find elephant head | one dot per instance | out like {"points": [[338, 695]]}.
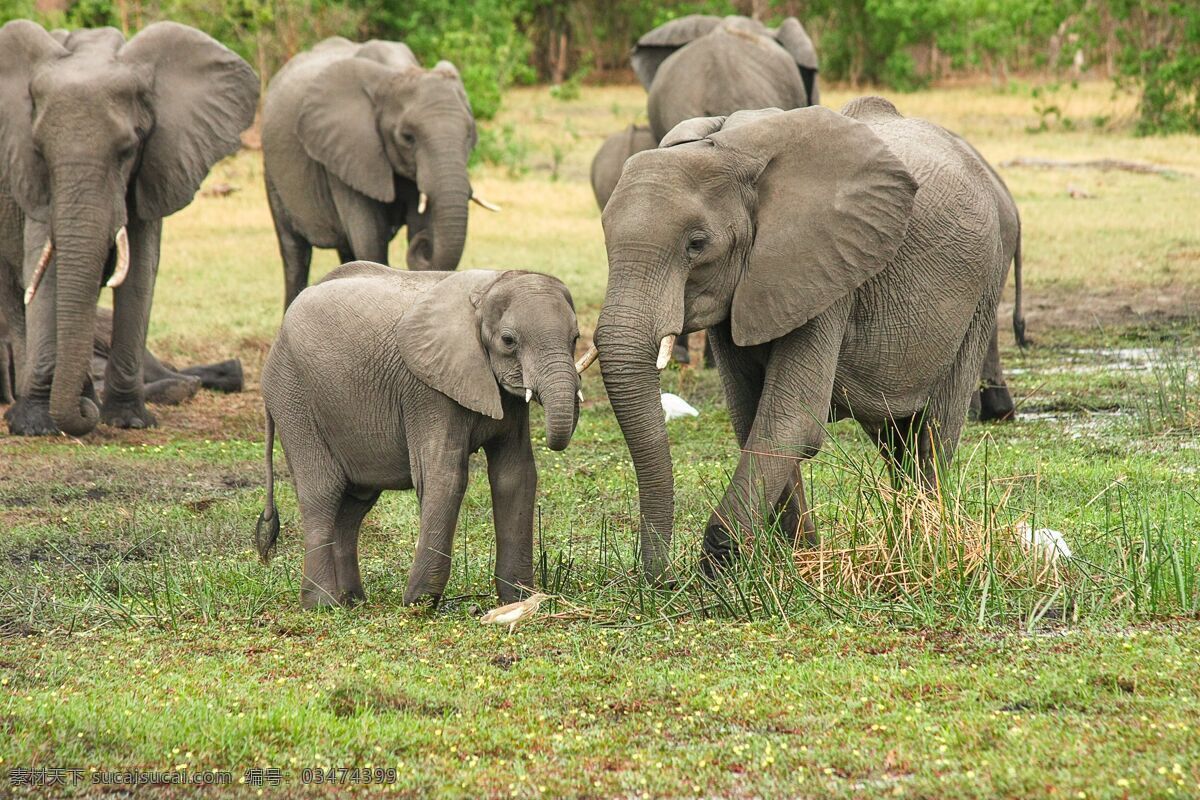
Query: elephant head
{"points": [[658, 45], [375, 117], [761, 221], [476, 333], [98, 131]]}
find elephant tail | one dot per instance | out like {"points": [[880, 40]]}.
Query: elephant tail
{"points": [[267, 529], [1018, 314]]}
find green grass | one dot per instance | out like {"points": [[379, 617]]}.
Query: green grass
{"points": [[921, 652]]}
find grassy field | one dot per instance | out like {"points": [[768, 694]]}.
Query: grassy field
{"points": [[920, 652]]}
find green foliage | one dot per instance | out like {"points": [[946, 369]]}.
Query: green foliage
{"points": [[1160, 53]]}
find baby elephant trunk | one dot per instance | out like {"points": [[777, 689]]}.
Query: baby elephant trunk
{"points": [[559, 395]]}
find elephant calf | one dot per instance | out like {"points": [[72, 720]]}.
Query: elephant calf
{"points": [[390, 379]]}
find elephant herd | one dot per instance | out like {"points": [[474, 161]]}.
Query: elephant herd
{"points": [[843, 264]]}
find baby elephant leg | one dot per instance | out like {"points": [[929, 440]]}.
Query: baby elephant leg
{"points": [[355, 506], [440, 494], [512, 473]]}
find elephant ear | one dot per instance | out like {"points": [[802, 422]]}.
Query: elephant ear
{"points": [[834, 205], [23, 45], [794, 39], [337, 126], [438, 339], [203, 96], [692, 130], [396, 55], [657, 46]]}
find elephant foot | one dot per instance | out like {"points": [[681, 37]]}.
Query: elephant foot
{"points": [[172, 391], [30, 417], [719, 550], [223, 377], [121, 412], [996, 404], [418, 596], [313, 598]]}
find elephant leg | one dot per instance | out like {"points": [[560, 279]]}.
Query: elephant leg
{"points": [[905, 446], [512, 474], [320, 488], [354, 507], [364, 222], [680, 352], [792, 509], [225, 376], [124, 393], [995, 401], [294, 249], [440, 490], [164, 386], [788, 429], [30, 414], [6, 383]]}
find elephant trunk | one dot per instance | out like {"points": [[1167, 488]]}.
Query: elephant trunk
{"points": [[82, 241], [444, 180], [558, 392], [627, 358]]}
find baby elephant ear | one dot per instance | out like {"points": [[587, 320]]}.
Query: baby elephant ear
{"points": [[439, 342], [692, 130], [833, 208]]}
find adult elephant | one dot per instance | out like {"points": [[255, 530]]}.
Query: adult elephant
{"points": [[358, 141], [702, 66], [848, 262], [101, 138], [612, 155]]}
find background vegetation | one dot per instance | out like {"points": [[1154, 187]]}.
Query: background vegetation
{"points": [[1152, 47]]}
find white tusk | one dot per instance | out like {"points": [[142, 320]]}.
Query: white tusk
{"points": [[579, 394], [489, 206], [528, 395], [587, 359], [39, 271], [422, 203], [118, 276], [664, 351]]}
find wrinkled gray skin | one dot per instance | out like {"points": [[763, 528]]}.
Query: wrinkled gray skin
{"points": [[611, 157], [847, 263], [701, 66], [389, 379], [706, 66], [99, 134], [163, 383], [352, 133]]}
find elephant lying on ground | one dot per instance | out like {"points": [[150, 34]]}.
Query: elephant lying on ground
{"points": [[100, 138], [359, 141], [165, 385], [388, 379], [612, 155], [847, 261]]}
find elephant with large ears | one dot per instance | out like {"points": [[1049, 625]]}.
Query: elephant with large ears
{"points": [[358, 141], [841, 262], [101, 138], [390, 379]]}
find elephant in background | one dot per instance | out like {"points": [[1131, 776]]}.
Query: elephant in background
{"points": [[101, 138], [847, 263], [164, 384], [358, 141], [388, 379], [702, 65], [611, 157]]}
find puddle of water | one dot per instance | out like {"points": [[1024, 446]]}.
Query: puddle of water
{"points": [[1101, 359]]}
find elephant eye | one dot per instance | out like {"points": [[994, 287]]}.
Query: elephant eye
{"points": [[696, 244], [408, 138], [508, 340]]}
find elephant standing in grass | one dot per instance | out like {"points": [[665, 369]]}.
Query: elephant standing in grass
{"points": [[612, 155], [387, 379], [843, 263], [359, 141], [100, 139]]}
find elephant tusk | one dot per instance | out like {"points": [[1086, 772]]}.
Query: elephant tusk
{"points": [[39, 271], [579, 394], [528, 395], [122, 270], [587, 359], [664, 351], [489, 206], [422, 203]]}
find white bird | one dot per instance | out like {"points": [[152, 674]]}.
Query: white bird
{"points": [[675, 406], [1050, 543], [514, 613]]}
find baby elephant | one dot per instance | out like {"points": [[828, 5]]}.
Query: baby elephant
{"points": [[390, 379]]}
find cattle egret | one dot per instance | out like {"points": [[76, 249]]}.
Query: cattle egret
{"points": [[1049, 543], [514, 613]]}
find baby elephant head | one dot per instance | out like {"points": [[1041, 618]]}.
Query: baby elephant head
{"points": [[478, 333]]}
